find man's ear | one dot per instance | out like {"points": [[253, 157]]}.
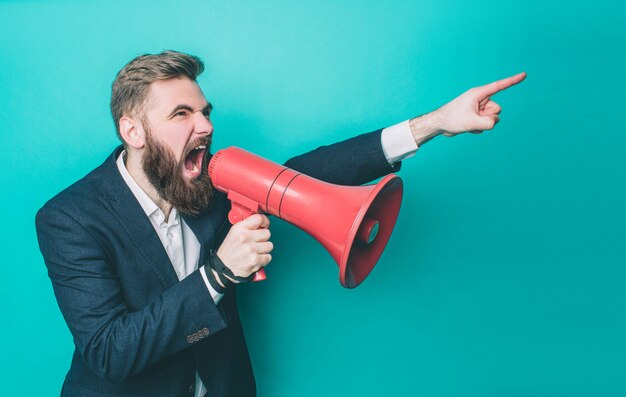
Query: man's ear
{"points": [[132, 132]]}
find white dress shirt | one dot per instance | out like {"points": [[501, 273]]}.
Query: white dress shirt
{"points": [[183, 247]]}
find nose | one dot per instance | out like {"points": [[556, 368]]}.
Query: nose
{"points": [[204, 126]]}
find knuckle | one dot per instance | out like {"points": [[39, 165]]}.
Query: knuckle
{"points": [[259, 235], [250, 222]]}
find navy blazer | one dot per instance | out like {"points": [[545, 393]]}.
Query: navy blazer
{"points": [[137, 329]]}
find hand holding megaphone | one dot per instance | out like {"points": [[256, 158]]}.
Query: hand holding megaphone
{"points": [[246, 248]]}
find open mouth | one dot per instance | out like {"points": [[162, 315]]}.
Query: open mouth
{"points": [[193, 161]]}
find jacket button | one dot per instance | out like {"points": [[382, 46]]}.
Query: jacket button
{"points": [[189, 339], [205, 331]]}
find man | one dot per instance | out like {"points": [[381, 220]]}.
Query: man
{"points": [[142, 259]]}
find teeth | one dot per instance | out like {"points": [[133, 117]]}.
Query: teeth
{"points": [[200, 147]]}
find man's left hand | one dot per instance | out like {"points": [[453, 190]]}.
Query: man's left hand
{"points": [[473, 111]]}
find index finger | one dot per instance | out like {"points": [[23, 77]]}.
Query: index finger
{"points": [[497, 86]]}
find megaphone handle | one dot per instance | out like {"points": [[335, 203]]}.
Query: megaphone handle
{"points": [[236, 214]]}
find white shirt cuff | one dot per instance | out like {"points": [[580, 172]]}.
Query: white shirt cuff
{"points": [[214, 294], [398, 142]]}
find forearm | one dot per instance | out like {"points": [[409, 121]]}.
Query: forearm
{"points": [[353, 161], [424, 127]]}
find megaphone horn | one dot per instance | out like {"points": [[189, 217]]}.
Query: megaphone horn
{"points": [[353, 223]]}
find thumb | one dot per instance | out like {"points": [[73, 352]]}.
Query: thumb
{"points": [[256, 221]]}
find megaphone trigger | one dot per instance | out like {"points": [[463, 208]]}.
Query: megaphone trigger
{"points": [[241, 207]]}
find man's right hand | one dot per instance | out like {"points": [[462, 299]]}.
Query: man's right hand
{"points": [[246, 248]]}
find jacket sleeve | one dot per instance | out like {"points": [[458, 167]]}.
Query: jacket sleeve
{"points": [[114, 341], [354, 161]]}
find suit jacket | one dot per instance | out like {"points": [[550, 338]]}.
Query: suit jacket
{"points": [[137, 329]]}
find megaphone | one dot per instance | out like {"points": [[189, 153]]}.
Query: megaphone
{"points": [[353, 223]]}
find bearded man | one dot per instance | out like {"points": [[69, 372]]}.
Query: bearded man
{"points": [[131, 248]]}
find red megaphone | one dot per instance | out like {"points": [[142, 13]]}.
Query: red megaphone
{"points": [[353, 223]]}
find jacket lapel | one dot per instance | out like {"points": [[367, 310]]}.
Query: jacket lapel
{"points": [[118, 197]]}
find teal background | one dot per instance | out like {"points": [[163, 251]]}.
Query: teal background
{"points": [[505, 274]]}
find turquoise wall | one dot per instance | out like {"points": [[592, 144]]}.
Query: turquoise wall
{"points": [[505, 274]]}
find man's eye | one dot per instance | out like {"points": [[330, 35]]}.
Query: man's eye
{"points": [[181, 113], [207, 115]]}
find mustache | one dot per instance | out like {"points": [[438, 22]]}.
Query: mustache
{"points": [[205, 140]]}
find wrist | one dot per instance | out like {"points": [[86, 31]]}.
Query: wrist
{"points": [[214, 280], [217, 278], [424, 128], [225, 274]]}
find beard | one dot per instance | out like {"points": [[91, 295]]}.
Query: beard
{"points": [[165, 174]]}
